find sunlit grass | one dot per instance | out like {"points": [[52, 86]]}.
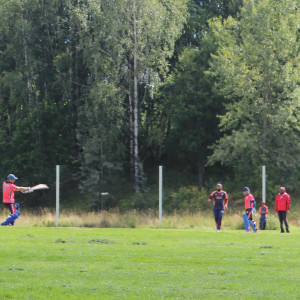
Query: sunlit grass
{"points": [[125, 263]]}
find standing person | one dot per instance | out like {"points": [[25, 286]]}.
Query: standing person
{"points": [[220, 204], [263, 210], [9, 188], [282, 207], [250, 205]]}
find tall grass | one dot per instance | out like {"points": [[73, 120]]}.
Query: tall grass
{"points": [[134, 219]]}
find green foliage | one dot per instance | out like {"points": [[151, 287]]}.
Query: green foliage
{"points": [[272, 223], [38, 99], [190, 198], [200, 12], [257, 70], [188, 104], [99, 131], [134, 38], [84, 82]]}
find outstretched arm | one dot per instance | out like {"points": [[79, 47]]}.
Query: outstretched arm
{"points": [[22, 189]]}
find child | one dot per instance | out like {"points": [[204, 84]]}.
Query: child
{"points": [[263, 210]]}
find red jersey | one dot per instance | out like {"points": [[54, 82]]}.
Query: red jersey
{"points": [[220, 198], [8, 192], [249, 201], [282, 202], [263, 210]]}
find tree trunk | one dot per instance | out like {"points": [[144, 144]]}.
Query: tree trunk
{"points": [[265, 120], [201, 170], [28, 77], [101, 176], [131, 140], [135, 106]]}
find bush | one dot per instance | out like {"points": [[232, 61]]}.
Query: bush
{"points": [[190, 198], [272, 223]]}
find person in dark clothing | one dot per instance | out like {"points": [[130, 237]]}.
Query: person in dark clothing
{"points": [[220, 204]]}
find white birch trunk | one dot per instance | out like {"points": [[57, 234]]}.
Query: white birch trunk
{"points": [[135, 109]]}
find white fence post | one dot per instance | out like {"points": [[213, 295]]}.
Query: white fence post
{"points": [[57, 195], [160, 194], [264, 184]]}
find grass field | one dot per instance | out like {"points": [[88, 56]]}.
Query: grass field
{"points": [[85, 263]]}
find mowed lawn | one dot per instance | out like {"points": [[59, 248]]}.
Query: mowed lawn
{"points": [[83, 263]]}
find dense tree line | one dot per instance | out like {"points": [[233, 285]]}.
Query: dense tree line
{"points": [[110, 89]]}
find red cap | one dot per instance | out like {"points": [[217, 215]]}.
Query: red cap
{"points": [[282, 188]]}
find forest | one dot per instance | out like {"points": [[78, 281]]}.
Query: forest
{"points": [[111, 89]]}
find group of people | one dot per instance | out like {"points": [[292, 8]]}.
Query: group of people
{"points": [[282, 206], [219, 196]]}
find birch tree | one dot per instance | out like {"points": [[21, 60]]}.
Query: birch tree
{"points": [[132, 43]]}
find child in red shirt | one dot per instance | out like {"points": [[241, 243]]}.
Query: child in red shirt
{"points": [[263, 210]]}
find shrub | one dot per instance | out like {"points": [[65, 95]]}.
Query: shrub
{"points": [[272, 223], [190, 198]]}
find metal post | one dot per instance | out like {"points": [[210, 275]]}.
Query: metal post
{"points": [[264, 183], [57, 195], [160, 194]]}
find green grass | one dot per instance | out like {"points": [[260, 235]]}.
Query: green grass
{"points": [[84, 263]]}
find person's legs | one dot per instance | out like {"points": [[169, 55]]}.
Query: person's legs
{"points": [[11, 219], [285, 222], [12, 208], [221, 213], [280, 215], [14, 214], [13, 211], [216, 215], [250, 218], [246, 222], [249, 214], [264, 224]]}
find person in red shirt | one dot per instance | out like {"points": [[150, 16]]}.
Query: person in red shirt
{"points": [[263, 210], [250, 205], [282, 207], [220, 204], [9, 188]]}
